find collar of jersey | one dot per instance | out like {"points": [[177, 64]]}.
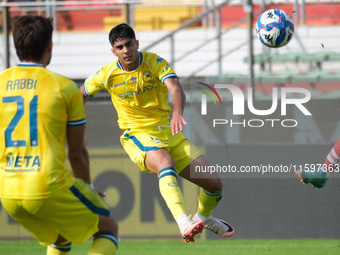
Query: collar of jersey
{"points": [[140, 61], [30, 64]]}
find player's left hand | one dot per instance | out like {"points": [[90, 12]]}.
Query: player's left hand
{"points": [[100, 193], [177, 122]]}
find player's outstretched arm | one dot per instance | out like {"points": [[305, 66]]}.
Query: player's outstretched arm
{"points": [[178, 101]]}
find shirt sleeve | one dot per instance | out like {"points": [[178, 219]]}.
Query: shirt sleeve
{"points": [[163, 69], [74, 105], [95, 83]]}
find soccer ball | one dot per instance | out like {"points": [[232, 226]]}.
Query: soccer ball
{"points": [[274, 28]]}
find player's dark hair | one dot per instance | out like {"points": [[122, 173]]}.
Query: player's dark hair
{"points": [[121, 31], [31, 36]]}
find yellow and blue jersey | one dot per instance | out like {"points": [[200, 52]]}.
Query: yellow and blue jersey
{"points": [[36, 106], [140, 96]]}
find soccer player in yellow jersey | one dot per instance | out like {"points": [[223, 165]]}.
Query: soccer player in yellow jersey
{"points": [[139, 83], [40, 111]]}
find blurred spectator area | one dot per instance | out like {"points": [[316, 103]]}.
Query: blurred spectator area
{"points": [[316, 14], [148, 17], [155, 16], [168, 17]]}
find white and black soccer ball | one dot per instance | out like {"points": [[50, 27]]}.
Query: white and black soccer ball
{"points": [[274, 28]]}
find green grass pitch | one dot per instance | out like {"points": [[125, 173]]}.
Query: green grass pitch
{"points": [[200, 247]]}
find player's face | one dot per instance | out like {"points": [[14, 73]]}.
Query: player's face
{"points": [[127, 52]]}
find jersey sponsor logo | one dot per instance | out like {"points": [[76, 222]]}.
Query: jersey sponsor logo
{"points": [[133, 93], [119, 84], [133, 80], [21, 84], [166, 68], [22, 163], [160, 60], [147, 76]]}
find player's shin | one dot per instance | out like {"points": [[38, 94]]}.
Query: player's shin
{"points": [[170, 191], [172, 195], [207, 201]]}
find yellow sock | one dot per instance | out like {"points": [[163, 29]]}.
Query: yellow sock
{"points": [[59, 249], [207, 201], [170, 191], [105, 244]]}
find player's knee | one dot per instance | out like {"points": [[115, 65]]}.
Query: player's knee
{"points": [[218, 185], [214, 185], [114, 227], [107, 225], [61, 240], [158, 160], [166, 162]]}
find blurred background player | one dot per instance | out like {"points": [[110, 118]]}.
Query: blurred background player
{"points": [[139, 84], [39, 111], [319, 177]]}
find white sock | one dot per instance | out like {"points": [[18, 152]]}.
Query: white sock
{"points": [[181, 219], [204, 218]]}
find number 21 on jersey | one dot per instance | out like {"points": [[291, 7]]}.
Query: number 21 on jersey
{"points": [[33, 121]]}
